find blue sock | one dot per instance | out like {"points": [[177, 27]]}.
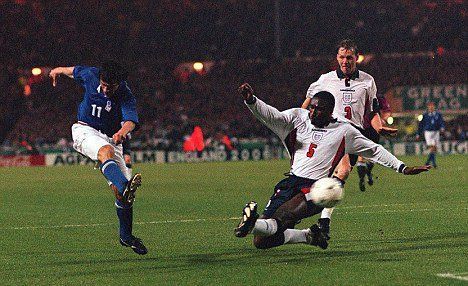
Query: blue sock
{"points": [[125, 215], [433, 159], [112, 172], [429, 159]]}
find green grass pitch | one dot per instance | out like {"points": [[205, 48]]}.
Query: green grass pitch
{"points": [[58, 227]]}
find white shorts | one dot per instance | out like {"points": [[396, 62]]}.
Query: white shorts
{"points": [[432, 138], [88, 141]]}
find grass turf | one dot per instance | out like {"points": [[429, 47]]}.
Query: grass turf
{"points": [[58, 226]]}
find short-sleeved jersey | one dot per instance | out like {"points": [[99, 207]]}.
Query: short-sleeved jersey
{"points": [[315, 152], [99, 111], [354, 96]]}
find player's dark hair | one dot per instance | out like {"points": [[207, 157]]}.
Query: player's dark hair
{"points": [[348, 44], [327, 98], [112, 72]]}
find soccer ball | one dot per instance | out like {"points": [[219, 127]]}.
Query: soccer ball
{"points": [[326, 192]]}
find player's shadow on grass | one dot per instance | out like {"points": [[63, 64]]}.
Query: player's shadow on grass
{"points": [[247, 255], [433, 237], [303, 252]]}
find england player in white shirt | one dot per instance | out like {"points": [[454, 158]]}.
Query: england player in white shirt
{"points": [[316, 142], [355, 95]]}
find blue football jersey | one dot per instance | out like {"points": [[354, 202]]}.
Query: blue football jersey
{"points": [[432, 121], [97, 110]]}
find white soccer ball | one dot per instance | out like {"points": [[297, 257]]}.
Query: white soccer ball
{"points": [[327, 192]]}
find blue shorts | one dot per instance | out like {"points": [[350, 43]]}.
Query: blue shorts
{"points": [[285, 190]]}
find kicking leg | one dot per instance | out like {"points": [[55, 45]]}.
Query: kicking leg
{"points": [[110, 168], [112, 171], [124, 205]]}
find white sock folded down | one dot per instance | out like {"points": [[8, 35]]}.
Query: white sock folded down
{"points": [[265, 227], [326, 213], [295, 235]]}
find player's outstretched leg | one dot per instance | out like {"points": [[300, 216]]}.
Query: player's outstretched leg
{"points": [[249, 217], [111, 170]]}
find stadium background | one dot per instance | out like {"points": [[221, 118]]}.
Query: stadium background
{"points": [[416, 50]]}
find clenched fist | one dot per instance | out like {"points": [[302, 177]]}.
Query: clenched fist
{"points": [[246, 90]]}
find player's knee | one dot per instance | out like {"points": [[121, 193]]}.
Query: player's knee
{"points": [[285, 219], [343, 173], [105, 153]]}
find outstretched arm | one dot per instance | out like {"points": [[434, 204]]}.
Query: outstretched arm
{"points": [[306, 103], [56, 72], [356, 143], [279, 122]]}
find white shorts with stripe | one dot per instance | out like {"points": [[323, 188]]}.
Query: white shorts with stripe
{"points": [[88, 141], [432, 138]]}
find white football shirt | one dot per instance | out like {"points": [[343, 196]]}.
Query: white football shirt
{"points": [[315, 152], [353, 97]]}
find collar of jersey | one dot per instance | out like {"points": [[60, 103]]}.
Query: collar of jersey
{"points": [[99, 90], [353, 76]]}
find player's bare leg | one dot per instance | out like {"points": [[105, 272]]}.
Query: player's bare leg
{"points": [[128, 163], [343, 169], [279, 229], [105, 153]]}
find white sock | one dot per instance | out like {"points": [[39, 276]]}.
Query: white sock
{"points": [[265, 227], [295, 235], [326, 213]]}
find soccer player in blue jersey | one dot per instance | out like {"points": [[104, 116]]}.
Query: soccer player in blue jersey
{"points": [[431, 125], [98, 134]]}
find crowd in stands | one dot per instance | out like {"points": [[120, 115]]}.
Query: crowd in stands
{"points": [[153, 37], [52, 32]]}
